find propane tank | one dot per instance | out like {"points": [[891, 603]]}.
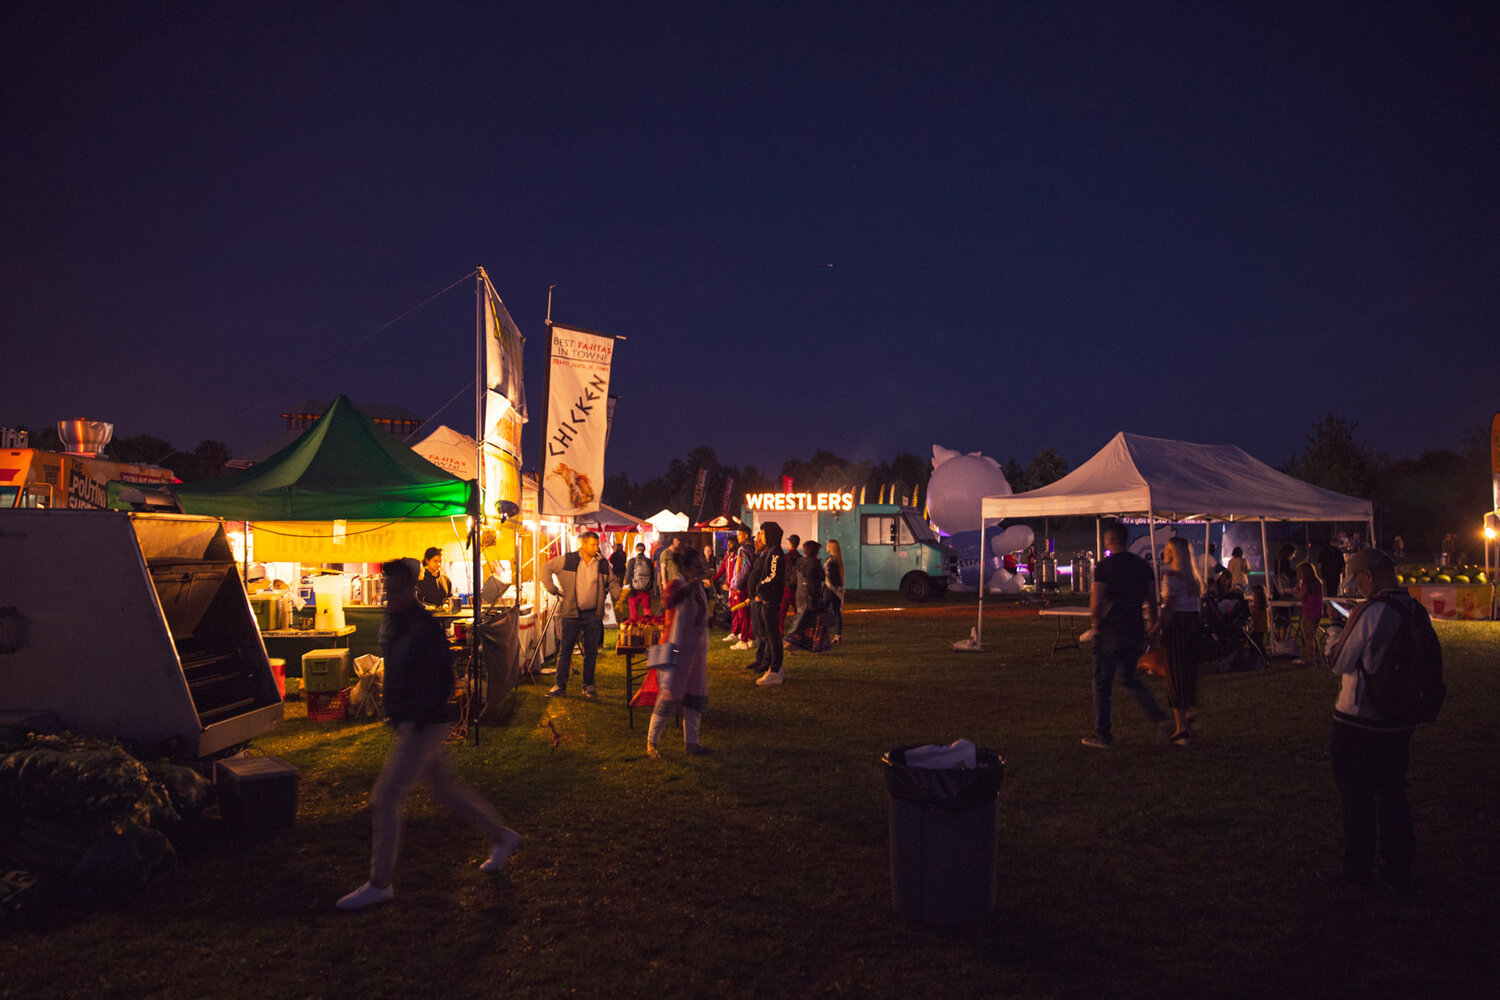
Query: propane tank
{"points": [[1048, 571]]}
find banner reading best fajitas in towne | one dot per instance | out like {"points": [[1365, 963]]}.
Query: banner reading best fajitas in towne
{"points": [[572, 471]]}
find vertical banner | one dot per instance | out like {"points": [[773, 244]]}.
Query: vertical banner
{"points": [[786, 485], [504, 406], [728, 494], [577, 402]]}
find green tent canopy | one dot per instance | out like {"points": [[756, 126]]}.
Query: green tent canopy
{"points": [[343, 468]]}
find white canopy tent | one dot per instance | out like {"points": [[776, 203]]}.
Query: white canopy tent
{"points": [[1162, 480]]}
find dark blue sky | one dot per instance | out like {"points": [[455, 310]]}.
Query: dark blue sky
{"points": [[865, 227]]}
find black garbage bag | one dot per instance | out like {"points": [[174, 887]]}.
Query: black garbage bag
{"points": [[950, 789]]}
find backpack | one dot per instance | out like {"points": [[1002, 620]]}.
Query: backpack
{"points": [[641, 574], [1409, 688]]}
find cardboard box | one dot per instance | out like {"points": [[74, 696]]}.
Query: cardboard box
{"points": [[256, 793]]}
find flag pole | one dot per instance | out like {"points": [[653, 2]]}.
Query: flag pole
{"points": [[541, 493], [476, 533]]}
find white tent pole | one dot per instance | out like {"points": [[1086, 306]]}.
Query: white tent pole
{"points": [[983, 565], [1265, 559], [1151, 536], [1208, 527]]}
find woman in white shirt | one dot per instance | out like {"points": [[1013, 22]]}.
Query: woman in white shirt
{"points": [[1182, 634]]}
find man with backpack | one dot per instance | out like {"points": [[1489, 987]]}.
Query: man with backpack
{"points": [[640, 575], [1391, 672]]}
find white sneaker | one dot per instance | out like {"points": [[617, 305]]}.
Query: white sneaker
{"points": [[771, 677], [731, 637], [752, 644], [365, 895], [500, 850], [740, 645]]}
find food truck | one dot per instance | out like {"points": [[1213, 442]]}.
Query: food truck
{"points": [[886, 546], [77, 478]]}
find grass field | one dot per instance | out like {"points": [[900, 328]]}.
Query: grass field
{"points": [[762, 871]]}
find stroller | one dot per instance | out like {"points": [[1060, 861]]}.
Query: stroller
{"points": [[1228, 644], [719, 615]]}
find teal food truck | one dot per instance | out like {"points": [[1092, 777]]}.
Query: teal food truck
{"points": [[886, 546]]}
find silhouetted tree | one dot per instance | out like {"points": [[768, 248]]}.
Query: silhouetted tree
{"points": [[1336, 461]]}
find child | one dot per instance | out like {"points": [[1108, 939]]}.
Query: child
{"points": [[1260, 616], [1310, 593]]}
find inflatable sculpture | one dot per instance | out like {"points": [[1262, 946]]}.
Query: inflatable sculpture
{"points": [[959, 482]]}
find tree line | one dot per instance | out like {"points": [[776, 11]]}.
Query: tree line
{"points": [[902, 479], [206, 461], [1421, 499]]}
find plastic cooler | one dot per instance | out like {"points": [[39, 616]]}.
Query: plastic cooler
{"points": [[325, 670]]}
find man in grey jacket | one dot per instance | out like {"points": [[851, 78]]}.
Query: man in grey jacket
{"points": [[582, 580], [1371, 754]]}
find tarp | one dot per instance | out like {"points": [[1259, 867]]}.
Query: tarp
{"points": [[343, 468], [608, 518], [665, 520], [451, 451], [1177, 481]]}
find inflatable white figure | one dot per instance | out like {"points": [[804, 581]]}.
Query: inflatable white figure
{"points": [[957, 485], [1012, 539], [959, 482]]}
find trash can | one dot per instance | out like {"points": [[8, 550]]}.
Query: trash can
{"points": [[943, 838]]}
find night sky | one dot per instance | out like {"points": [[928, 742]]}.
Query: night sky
{"points": [[864, 227]]}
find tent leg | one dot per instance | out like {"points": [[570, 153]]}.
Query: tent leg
{"points": [[1265, 559], [983, 565]]}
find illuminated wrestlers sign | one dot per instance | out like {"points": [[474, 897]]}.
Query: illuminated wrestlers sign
{"points": [[799, 501]]}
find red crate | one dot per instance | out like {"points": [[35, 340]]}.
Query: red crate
{"points": [[327, 706]]}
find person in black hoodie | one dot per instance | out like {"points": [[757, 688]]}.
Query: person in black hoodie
{"points": [[767, 585]]}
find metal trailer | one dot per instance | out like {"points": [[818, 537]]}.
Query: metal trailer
{"points": [[133, 626]]}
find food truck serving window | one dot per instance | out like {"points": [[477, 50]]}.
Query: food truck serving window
{"points": [[875, 529]]}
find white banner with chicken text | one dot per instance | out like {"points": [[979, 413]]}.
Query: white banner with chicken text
{"points": [[577, 419]]}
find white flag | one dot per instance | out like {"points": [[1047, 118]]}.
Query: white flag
{"points": [[578, 380], [502, 375]]}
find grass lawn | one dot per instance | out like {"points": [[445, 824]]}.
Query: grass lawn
{"points": [[1144, 870]]}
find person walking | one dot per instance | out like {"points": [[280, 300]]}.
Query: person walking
{"points": [[1182, 634], [833, 570], [811, 584], [1371, 754], [684, 684], [418, 685], [582, 580], [1122, 606]]}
